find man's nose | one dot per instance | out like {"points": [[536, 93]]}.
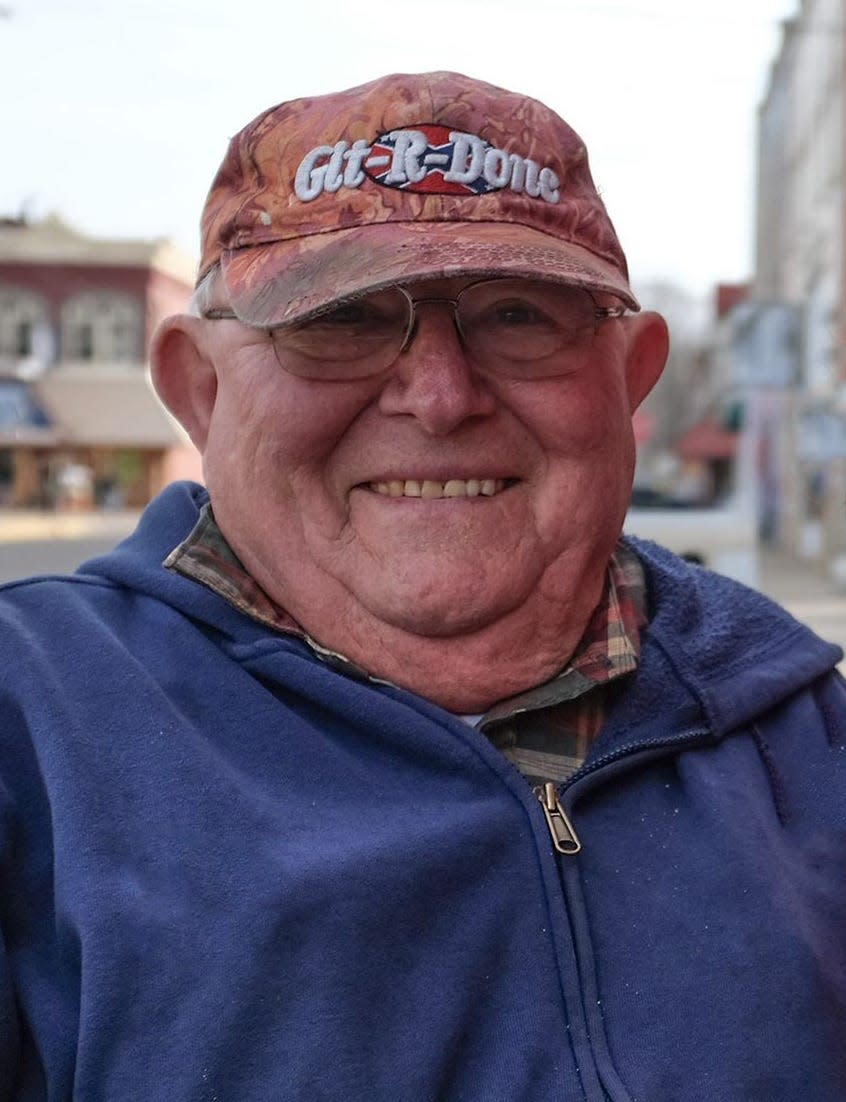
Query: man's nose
{"points": [[433, 380]]}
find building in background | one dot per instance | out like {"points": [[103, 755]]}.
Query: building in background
{"points": [[678, 399], [758, 417], [790, 338], [695, 413], [80, 425], [694, 491]]}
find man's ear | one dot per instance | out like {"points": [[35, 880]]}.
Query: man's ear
{"points": [[184, 376], [649, 345]]}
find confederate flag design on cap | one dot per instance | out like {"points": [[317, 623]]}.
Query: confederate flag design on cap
{"points": [[437, 163]]}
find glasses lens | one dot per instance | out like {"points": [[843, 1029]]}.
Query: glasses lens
{"points": [[524, 327], [353, 340]]}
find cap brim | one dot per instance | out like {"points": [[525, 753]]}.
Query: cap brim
{"points": [[287, 281]]}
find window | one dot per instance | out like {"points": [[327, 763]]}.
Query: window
{"points": [[79, 342], [24, 341], [101, 326], [24, 327]]}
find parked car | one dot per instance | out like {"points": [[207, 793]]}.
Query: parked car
{"points": [[723, 538]]}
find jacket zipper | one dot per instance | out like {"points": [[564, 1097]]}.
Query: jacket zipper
{"points": [[600, 1078], [564, 837], [565, 840]]}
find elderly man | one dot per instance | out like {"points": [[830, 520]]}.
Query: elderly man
{"points": [[383, 768]]}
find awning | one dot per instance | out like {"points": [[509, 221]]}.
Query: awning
{"points": [[93, 407], [707, 440]]}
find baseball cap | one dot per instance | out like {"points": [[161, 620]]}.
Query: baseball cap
{"points": [[408, 177]]}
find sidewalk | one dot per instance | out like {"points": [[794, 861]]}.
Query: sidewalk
{"points": [[807, 593], [787, 579], [28, 525]]}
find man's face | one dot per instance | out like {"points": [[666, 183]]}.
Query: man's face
{"points": [[433, 498]]}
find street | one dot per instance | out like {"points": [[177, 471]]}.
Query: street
{"points": [[50, 543], [48, 556]]}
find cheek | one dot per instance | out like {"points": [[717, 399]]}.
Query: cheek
{"points": [[588, 442], [276, 423], [588, 422], [236, 448], [274, 438]]}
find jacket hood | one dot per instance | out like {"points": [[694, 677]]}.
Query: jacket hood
{"points": [[137, 561], [726, 648], [715, 653]]}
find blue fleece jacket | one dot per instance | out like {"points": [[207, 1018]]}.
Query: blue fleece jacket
{"points": [[229, 873]]}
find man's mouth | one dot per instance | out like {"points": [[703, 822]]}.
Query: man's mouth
{"points": [[431, 489]]}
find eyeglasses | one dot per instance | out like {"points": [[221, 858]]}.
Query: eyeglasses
{"points": [[517, 328]]}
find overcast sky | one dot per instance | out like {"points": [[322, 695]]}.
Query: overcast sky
{"points": [[115, 113]]}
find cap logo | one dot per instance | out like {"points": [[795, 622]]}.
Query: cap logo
{"points": [[428, 159]]}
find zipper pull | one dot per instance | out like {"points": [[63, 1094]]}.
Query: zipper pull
{"points": [[564, 837]]}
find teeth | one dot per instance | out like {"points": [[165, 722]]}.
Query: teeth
{"points": [[430, 490]]}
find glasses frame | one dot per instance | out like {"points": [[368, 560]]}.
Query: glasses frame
{"points": [[223, 313]]}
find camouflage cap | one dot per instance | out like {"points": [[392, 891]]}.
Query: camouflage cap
{"points": [[405, 178]]}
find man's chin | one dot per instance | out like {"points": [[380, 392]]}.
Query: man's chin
{"points": [[447, 613]]}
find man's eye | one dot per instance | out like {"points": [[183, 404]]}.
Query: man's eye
{"points": [[515, 315], [518, 313], [353, 320]]}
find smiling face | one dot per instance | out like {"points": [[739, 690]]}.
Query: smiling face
{"points": [[433, 502]]}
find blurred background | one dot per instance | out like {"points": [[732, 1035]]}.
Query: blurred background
{"points": [[717, 139]]}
